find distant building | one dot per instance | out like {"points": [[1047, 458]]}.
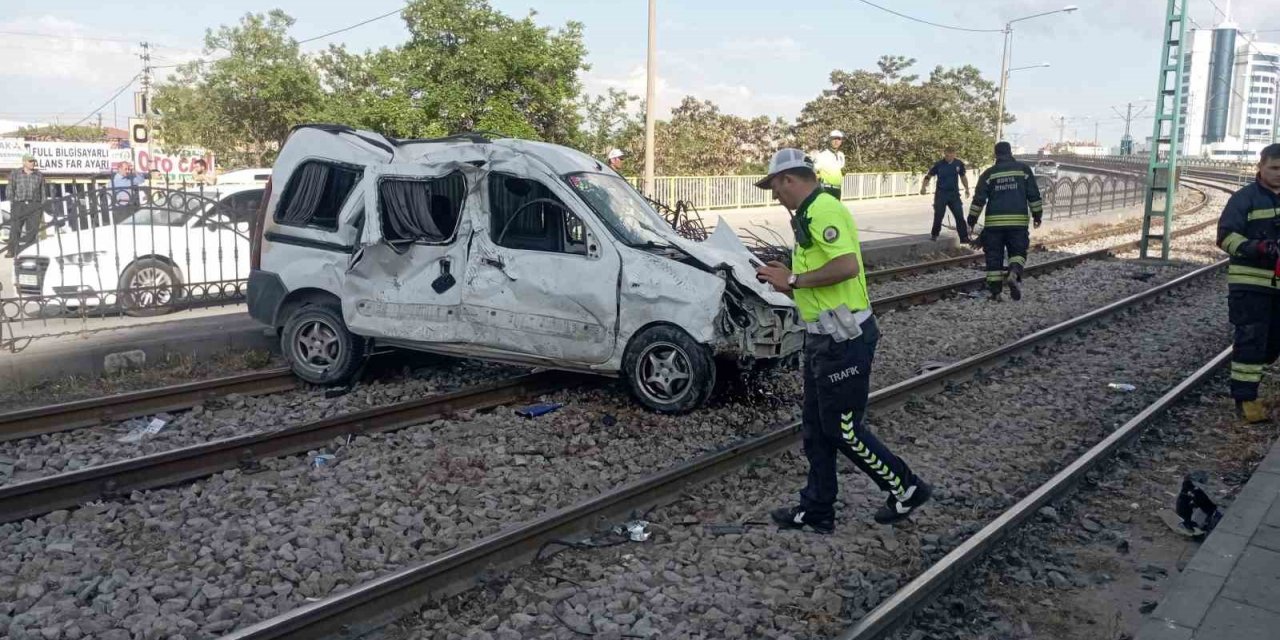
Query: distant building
{"points": [[1230, 87]]}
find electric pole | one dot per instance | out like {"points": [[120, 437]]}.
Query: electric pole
{"points": [[650, 99], [1062, 127], [1126, 143], [146, 89]]}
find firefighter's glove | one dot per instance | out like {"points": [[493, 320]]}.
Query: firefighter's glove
{"points": [[973, 220], [1037, 223], [1260, 249]]}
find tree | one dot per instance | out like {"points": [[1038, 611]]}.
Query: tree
{"points": [[700, 140], [65, 134], [894, 122], [465, 67], [609, 121], [241, 105]]}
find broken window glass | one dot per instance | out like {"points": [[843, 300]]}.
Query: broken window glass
{"points": [[421, 210], [315, 194]]}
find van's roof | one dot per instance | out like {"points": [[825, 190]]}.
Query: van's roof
{"points": [[560, 159]]}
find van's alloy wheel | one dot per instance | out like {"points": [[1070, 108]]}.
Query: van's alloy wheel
{"points": [[319, 347], [668, 371]]}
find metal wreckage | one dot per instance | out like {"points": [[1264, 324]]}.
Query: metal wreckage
{"points": [[507, 250]]}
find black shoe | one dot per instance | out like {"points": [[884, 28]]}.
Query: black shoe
{"points": [[797, 518], [893, 510], [933, 238], [1015, 287]]}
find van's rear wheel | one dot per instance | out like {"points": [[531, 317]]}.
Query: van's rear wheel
{"points": [[667, 371], [318, 346]]}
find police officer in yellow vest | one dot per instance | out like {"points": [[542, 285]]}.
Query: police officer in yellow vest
{"points": [[830, 290], [829, 164]]}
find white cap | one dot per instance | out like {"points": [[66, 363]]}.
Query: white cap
{"points": [[615, 153], [785, 159], [836, 133]]}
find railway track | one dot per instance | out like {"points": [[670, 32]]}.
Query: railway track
{"points": [[945, 263], [21, 500], [375, 603], [372, 604]]}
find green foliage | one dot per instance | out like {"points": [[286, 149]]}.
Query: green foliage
{"points": [[66, 134], [700, 140], [895, 122], [242, 105], [465, 67]]}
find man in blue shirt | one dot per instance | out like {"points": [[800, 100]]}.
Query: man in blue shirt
{"points": [[950, 174], [124, 191]]}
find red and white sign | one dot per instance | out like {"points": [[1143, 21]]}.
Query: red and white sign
{"points": [[177, 166]]}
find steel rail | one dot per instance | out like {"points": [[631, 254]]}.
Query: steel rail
{"points": [[31, 498], [922, 296], [917, 593], [38, 421], [370, 605], [945, 263]]}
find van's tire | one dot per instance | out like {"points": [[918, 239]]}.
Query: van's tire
{"points": [[149, 287], [318, 346], [667, 371]]}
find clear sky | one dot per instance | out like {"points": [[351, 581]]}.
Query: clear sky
{"points": [[748, 56]]}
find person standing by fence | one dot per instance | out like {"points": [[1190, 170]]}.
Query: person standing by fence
{"points": [[950, 174], [829, 163], [26, 198], [124, 190]]}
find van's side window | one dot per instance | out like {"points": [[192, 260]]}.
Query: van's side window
{"points": [[421, 210], [315, 193], [525, 214]]}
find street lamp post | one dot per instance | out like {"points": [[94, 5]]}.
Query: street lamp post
{"points": [[1004, 62]]}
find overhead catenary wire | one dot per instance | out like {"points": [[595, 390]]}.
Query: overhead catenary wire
{"points": [[923, 21], [358, 24]]}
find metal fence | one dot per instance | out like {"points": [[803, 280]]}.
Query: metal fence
{"points": [[732, 192], [97, 252], [1089, 194]]}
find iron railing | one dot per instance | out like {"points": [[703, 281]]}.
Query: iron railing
{"points": [[734, 192], [99, 252]]}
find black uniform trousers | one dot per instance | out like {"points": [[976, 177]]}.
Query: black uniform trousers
{"points": [[996, 243], [837, 383], [1256, 318], [943, 200], [24, 224]]}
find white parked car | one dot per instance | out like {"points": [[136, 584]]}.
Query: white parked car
{"points": [[177, 249], [503, 249], [1047, 168]]}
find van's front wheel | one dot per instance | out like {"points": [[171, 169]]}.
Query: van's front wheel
{"points": [[667, 371], [318, 346]]}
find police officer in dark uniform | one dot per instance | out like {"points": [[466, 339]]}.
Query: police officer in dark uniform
{"points": [[829, 286], [1008, 189], [1249, 231], [950, 174]]}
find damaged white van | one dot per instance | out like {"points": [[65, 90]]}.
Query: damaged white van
{"points": [[503, 249]]}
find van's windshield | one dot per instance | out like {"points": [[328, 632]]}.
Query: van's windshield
{"points": [[620, 207]]}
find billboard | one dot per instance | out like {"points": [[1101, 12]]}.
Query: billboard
{"points": [[11, 150], [73, 158]]}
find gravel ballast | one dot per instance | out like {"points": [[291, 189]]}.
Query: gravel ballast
{"points": [[984, 445]]}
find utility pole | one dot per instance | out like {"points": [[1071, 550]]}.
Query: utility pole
{"points": [[1095, 131], [99, 120], [1062, 127], [146, 89], [650, 99], [1126, 143]]}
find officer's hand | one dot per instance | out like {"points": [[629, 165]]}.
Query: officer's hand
{"points": [[966, 193], [923, 190], [1037, 224], [776, 275]]}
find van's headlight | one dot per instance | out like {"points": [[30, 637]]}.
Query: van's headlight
{"points": [[80, 259]]}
